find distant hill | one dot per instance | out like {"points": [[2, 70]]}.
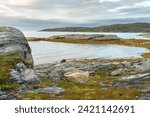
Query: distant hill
{"points": [[131, 27]]}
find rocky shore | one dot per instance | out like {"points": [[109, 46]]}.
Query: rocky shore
{"points": [[128, 75], [81, 37], [68, 79]]}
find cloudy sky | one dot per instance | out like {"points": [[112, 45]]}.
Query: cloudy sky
{"points": [[39, 14]]}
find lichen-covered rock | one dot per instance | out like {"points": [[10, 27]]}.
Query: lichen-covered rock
{"points": [[12, 41]]}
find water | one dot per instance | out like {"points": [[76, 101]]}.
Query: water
{"points": [[48, 34], [48, 52]]}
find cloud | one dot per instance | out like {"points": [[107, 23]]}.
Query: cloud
{"points": [[101, 1], [54, 13], [17, 2]]}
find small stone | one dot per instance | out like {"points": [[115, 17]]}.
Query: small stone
{"points": [[23, 88], [1, 92]]}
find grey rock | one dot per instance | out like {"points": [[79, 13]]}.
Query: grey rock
{"points": [[3, 97], [137, 76], [117, 72], [48, 90], [103, 85], [133, 81], [12, 41], [145, 94], [51, 90], [23, 88], [1, 92], [57, 70], [22, 74], [16, 76], [96, 37]]}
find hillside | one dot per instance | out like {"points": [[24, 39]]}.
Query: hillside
{"points": [[131, 27]]}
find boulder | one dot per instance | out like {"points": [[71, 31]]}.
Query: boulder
{"points": [[77, 77], [12, 41], [117, 72]]}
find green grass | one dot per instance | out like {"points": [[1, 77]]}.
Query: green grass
{"points": [[7, 62], [34, 96], [92, 91]]}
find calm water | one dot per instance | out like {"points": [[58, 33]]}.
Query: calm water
{"points": [[48, 34], [47, 52]]}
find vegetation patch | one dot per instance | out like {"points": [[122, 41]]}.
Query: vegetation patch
{"points": [[7, 62], [92, 90], [34, 96]]}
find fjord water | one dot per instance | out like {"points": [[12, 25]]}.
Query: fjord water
{"points": [[48, 34], [48, 52]]}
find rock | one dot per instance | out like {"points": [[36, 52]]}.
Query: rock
{"points": [[145, 94], [16, 76], [3, 97], [103, 85], [23, 74], [96, 37], [12, 41], [133, 81], [48, 90], [23, 88], [51, 90], [136, 77], [117, 72], [77, 77], [1, 92], [56, 71], [63, 61]]}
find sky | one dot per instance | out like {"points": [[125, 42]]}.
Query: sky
{"points": [[41, 14]]}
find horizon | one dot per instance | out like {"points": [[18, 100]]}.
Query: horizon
{"points": [[42, 14]]}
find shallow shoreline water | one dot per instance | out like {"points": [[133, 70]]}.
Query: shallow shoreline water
{"points": [[49, 52]]}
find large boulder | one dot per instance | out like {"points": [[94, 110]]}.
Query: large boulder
{"points": [[12, 41]]}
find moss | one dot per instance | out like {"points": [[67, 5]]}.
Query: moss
{"points": [[103, 72], [147, 55], [34, 96], [45, 82], [147, 84], [7, 62], [92, 91], [9, 86]]}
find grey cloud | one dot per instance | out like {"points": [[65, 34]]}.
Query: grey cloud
{"points": [[53, 13]]}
